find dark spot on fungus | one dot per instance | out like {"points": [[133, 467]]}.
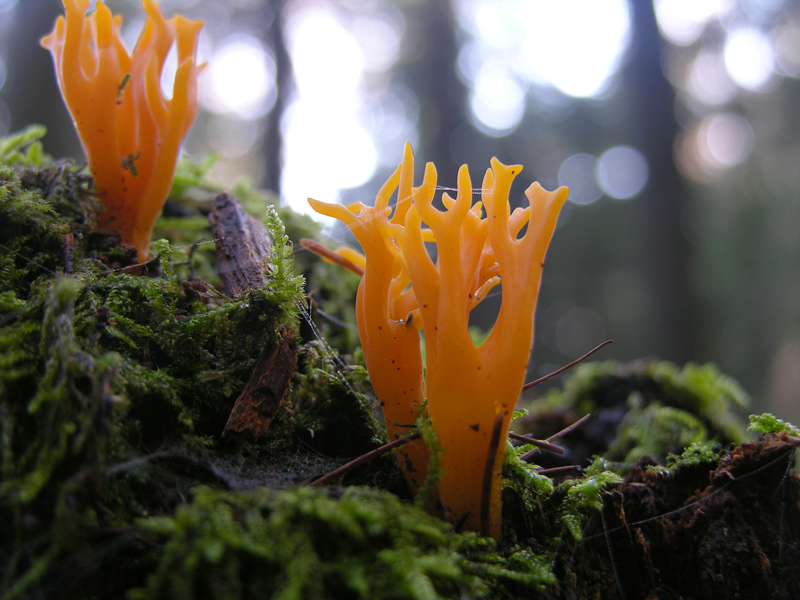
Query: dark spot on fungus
{"points": [[475, 427], [462, 521]]}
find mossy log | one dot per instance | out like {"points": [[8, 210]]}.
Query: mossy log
{"points": [[117, 381]]}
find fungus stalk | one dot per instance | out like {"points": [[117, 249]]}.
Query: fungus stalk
{"points": [[389, 341], [130, 131], [471, 390]]}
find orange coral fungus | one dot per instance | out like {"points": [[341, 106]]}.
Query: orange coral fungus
{"points": [[130, 131], [471, 390]]}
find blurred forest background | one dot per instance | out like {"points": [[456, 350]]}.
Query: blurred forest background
{"points": [[675, 123]]}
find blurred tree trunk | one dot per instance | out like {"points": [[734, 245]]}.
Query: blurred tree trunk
{"points": [[664, 253], [273, 140], [30, 91], [441, 95]]}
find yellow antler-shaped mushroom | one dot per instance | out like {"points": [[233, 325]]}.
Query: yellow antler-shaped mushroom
{"points": [[390, 344], [471, 390], [131, 132]]}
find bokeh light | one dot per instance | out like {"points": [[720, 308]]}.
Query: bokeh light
{"points": [[326, 58], [749, 58], [715, 144], [762, 10], [6, 6], [520, 45], [329, 126], [168, 72], [787, 48], [622, 172], [726, 140], [578, 174], [321, 166], [683, 21], [233, 137], [709, 82], [582, 64], [379, 36], [497, 99], [241, 78], [391, 116]]}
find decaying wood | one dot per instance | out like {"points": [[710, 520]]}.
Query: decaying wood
{"points": [[69, 253], [259, 402], [711, 531], [242, 245]]}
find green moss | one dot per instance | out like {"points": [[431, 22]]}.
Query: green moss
{"points": [[659, 408], [120, 380], [707, 392], [285, 288], [534, 507], [649, 430], [696, 455], [332, 411], [529, 504], [303, 544], [191, 176], [308, 544], [584, 496], [56, 420], [523, 476], [40, 206], [767, 423], [24, 147], [695, 460], [331, 288], [115, 388]]}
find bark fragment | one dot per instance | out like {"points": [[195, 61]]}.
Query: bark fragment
{"points": [[242, 245], [261, 398]]}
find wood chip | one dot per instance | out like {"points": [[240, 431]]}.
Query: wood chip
{"points": [[242, 245], [256, 407]]}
